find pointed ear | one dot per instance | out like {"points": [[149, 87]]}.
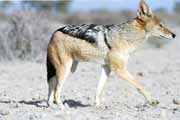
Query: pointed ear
{"points": [[144, 12]]}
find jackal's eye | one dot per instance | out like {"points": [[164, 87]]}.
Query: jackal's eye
{"points": [[161, 25]]}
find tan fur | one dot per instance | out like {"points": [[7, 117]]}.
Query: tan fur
{"points": [[64, 49]]}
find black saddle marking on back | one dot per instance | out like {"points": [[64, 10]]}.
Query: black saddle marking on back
{"points": [[88, 32]]}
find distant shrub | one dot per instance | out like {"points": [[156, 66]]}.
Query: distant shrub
{"points": [[26, 36]]}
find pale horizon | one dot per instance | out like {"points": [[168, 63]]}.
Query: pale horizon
{"points": [[87, 5]]}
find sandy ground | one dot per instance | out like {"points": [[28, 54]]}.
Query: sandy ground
{"points": [[23, 90]]}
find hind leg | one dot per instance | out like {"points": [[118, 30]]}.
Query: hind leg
{"points": [[51, 81], [62, 72]]}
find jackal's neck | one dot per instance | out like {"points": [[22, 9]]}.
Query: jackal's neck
{"points": [[132, 30], [132, 26], [133, 33]]}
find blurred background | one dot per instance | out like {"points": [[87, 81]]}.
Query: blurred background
{"points": [[26, 26]]}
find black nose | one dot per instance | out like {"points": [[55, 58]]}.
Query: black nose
{"points": [[173, 35]]}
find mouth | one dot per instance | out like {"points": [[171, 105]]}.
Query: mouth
{"points": [[165, 37]]}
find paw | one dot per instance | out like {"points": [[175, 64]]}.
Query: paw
{"points": [[57, 106], [153, 102], [49, 103], [61, 106], [97, 104], [99, 107]]}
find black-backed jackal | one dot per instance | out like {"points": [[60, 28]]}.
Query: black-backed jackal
{"points": [[108, 45]]}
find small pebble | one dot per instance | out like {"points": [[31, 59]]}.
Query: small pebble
{"points": [[140, 74], [4, 112]]}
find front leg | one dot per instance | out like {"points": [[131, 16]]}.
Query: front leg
{"points": [[103, 79], [118, 63], [125, 75]]}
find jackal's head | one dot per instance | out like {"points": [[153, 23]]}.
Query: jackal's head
{"points": [[152, 25]]}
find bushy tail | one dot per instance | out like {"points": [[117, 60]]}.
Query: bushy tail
{"points": [[50, 69]]}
